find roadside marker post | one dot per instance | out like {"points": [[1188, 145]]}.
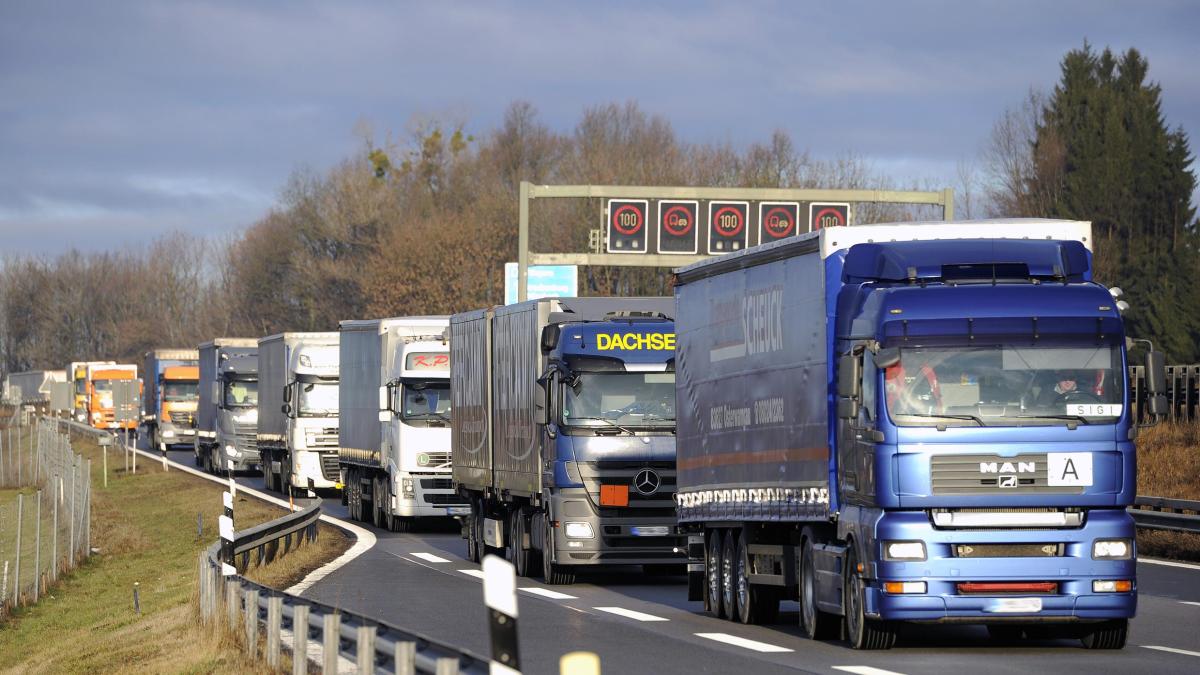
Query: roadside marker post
{"points": [[500, 596]]}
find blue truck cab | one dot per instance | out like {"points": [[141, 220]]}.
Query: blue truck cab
{"points": [[959, 434], [563, 434]]}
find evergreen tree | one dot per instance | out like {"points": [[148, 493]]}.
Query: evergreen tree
{"points": [[1103, 150]]}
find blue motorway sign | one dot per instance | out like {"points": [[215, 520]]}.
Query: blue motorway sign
{"points": [[545, 281]]}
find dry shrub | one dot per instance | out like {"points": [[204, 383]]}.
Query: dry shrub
{"points": [[1169, 460]]}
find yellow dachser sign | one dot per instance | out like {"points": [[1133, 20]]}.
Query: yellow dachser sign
{"points": [[635, 341]]}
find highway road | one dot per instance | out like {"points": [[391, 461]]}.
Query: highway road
{"points": [[637, 624]]}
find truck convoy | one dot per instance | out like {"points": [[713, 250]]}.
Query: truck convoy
{"points": [[101, 412], [298, 411], [912, 422], [564, 433], [172, 380], [395, 421], [227, 415]]}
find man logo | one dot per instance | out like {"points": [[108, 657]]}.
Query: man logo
{"points": [[1008, 467], [1007, 482]]}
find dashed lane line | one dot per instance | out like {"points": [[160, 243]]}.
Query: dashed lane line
{"points": [[1189, 602], [547, 593], [630, 614], [429, 557], [478, 574], [736, 641], [1171, 650], [1168, 563], [865, 670]]}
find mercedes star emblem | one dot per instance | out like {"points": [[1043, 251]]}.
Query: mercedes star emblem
{"points": [[646, 482]]}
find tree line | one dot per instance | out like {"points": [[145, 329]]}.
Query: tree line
{"points": [[424, 224]]}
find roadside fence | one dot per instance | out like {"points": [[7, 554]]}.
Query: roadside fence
{"points": [[45, 510]]}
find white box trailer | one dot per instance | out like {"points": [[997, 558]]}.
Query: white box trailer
{"points": [[395, 420], [298, 411]]}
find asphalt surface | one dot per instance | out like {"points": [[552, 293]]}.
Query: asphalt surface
{"points": [[423, 583]]}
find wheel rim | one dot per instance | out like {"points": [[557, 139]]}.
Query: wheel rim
{"points": [[713, 570], [727, 571], [808, 606], [743, 586], [853, 602]]}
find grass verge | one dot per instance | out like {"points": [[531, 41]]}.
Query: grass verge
{"points": [[1169, 466], [145, 529]]}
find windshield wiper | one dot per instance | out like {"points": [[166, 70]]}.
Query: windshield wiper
{"points": [[1076, 418], [606, 421], [972, 418], [423, 415]]}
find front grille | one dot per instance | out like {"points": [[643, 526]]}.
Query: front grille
{"points": [[246, 436], [622, 473], [1008, 550], [992, 474], [329, 466], [324, 438], [442, 499], [437, 484], [182, 417]]}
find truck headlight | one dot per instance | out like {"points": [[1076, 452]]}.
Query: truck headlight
{"points": [[1112, 549], [96, 416], [1112, 586], [406, 486], [168, 434], [579, 531], [904, 550], [231, 451]]}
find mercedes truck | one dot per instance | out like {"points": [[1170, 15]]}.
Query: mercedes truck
{"points": [[227, 414], [922, 423], [172, 381], [564, 433], [298, 411], [395, 431]]}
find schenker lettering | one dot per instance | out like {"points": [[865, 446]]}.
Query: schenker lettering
{"points": [[635, 341]]}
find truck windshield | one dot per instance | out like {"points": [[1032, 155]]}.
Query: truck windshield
{"points": [[102, 386], [1004, 385], [425, 404], [318, 399], [180, 391], [241, 393], [628, 399]]}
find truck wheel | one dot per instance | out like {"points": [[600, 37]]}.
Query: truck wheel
{"points": [[268, 473], [712, 572], [516, 534], [552, 574], [862, 632], [1108, 635], [473, 533], [729, 575], [817, 625], [354, 490], [756, 604]]}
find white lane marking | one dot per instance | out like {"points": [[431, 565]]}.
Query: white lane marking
{"points": [[478, 574], [547, 593], [1172, 650], [865, 670], [429, 557], [742, 642], [1168, 563], [1189, 602], [364, 539], [630, 614]]}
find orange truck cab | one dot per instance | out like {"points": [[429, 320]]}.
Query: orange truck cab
{"points": [[102, 412]]}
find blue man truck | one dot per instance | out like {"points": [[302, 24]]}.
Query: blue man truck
{"points": [[915, 422], [563, 433]]}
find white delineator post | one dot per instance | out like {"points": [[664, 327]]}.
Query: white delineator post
{"points": [[500, 596], [225, 524]]}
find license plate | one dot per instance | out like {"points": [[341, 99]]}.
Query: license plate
{"points": [[650, 531], [458, 510], [1015, 605]]}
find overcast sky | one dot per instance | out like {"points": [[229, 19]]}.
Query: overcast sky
{"points": [[120, 121]]}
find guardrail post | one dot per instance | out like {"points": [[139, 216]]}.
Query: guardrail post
{"points": [[406, 658], [202, 587], [331, 640], [447, 665], [251, 622], [500, 596], [366, 649], [300, 640], [232, 606], [274, 625], [579, 663]]}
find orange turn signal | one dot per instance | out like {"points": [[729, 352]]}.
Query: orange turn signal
{"points": [[614, 495]]}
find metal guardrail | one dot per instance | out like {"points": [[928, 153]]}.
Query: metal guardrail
{"points": [[368, 643], [1159, 513], [1182, 394]]}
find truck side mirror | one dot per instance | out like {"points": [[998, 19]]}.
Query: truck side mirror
{"points": [[383, 399], [848, 408], [385, 415], [541, 413], [287, 393], [1156, 384], [287, 409], [216, 392], [849, 384]]}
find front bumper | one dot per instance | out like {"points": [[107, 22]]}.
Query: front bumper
{"points": [[432, 496], [309, 466], [1073, 573], [616, 540]]}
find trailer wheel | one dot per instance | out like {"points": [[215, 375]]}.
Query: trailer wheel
{"points": [[552, 574], [863, 633], [756, 604], [816, 624], [729, 575], [1108, 635], [712, 573]]}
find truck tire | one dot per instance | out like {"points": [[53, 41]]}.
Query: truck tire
{"points": [[268, 472], [473, 536], [712, 573], [816, 624], [863, 633], [353, 494], [1108, 635], [756, 604], [552, 574], [729, 574], [519, 555], [379, 504]]}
